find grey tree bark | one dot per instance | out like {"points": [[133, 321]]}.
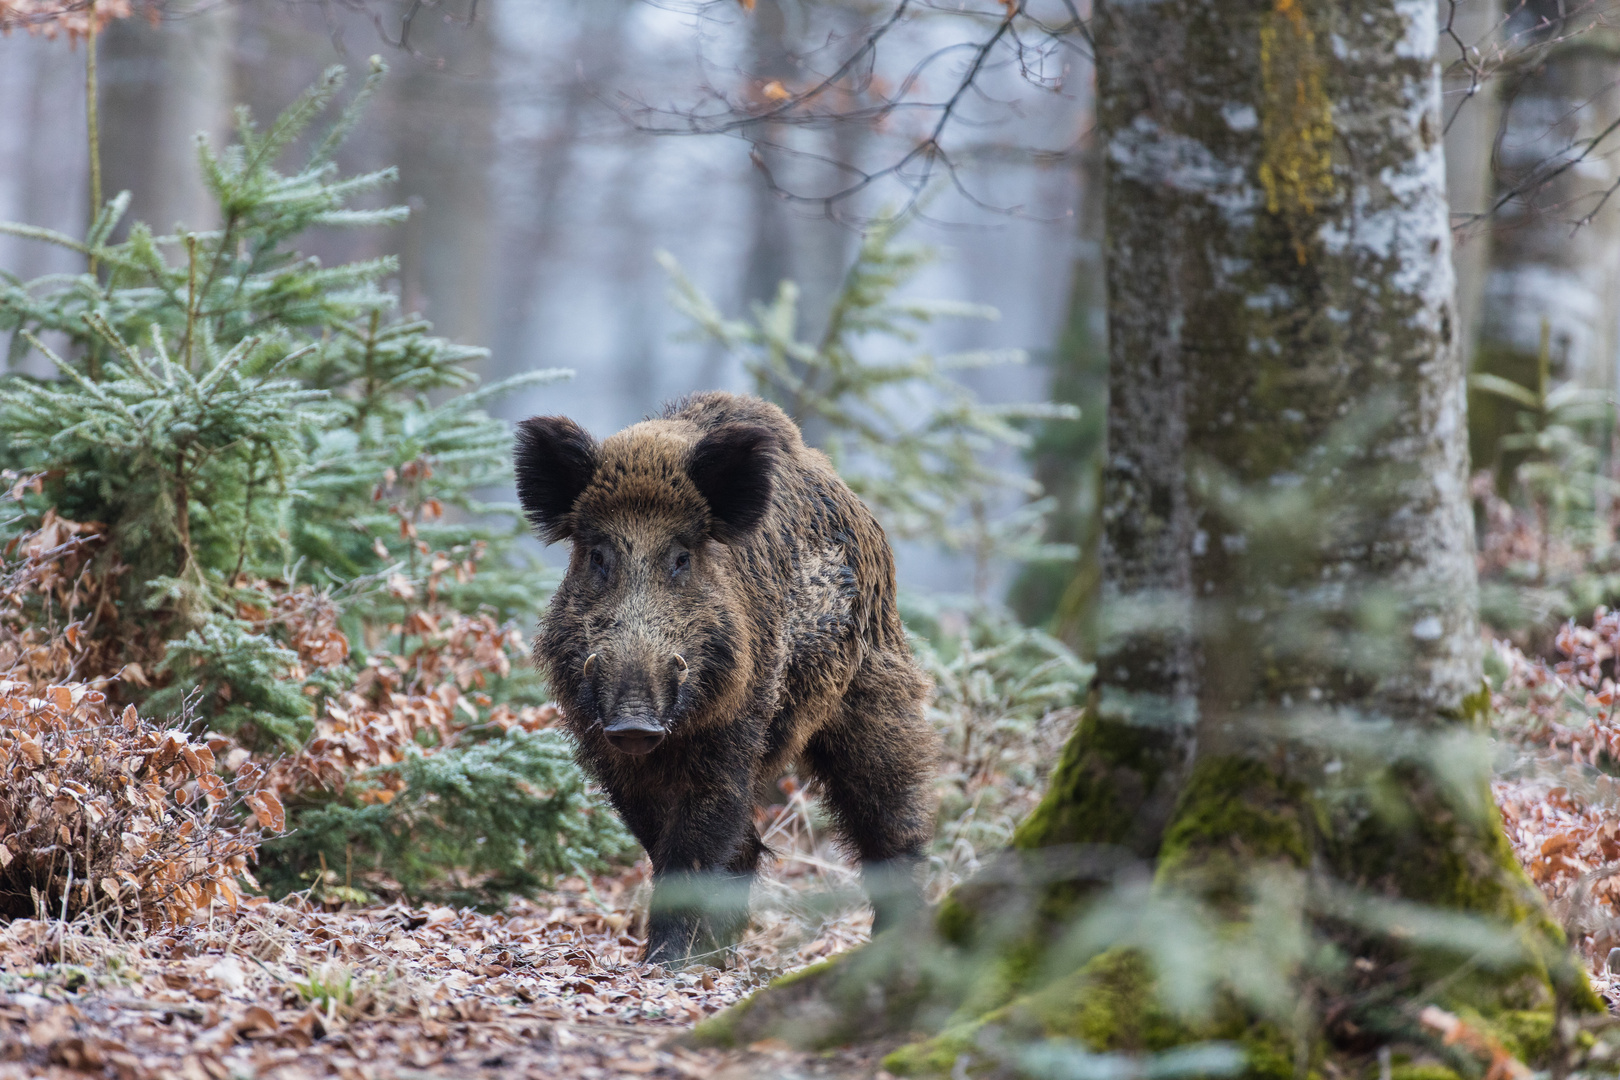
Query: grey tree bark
{"points": [[1470, 45], [1286, 438], [1555, 259], [1280, 294], [443, 116]]}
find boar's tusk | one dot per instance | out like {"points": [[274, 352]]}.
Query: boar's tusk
{"points": [[590, 661], [680, 668]]}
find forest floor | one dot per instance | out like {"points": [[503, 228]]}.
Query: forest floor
{"points": [[552, 988], [547, 988], [280, 991]]}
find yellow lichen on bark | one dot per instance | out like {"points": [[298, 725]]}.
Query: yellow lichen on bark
{"points": [[1296, 120]]}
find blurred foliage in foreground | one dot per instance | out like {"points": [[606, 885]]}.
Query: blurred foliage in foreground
{"points": [[1364, 914], [276, 536], [287, 578]]}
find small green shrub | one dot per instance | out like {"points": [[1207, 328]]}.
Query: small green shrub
{"points": [[240, 419], [274, 477], [516, 796]]}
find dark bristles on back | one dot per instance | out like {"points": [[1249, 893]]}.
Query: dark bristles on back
{"points": [[733, 468], [555, 459]]}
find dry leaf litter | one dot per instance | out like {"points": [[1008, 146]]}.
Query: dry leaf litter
{"points": [[157, 963], [546, 989]]}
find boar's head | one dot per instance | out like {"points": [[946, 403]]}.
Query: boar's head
{"points": [[649, 625]]}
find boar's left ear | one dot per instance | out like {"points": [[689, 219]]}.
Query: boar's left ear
{"points": [[555, 461], [733, 468]]}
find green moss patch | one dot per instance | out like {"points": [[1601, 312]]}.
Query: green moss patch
{"points": [[1235, 814], [1423, 1071], [855, 996], [1111, 1005], [1109, 770]]}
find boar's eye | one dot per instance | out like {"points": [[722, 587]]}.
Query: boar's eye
{"points": [[599, 561], [682, 560]]}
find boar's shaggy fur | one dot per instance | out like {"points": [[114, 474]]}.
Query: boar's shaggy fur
{"points": [[728, 611]]}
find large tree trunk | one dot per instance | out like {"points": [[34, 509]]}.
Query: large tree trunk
{"points": [[1281, 295], [1286, 456], [1288, 567]]}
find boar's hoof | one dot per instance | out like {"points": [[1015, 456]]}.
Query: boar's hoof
{"points": [[636, 735]]}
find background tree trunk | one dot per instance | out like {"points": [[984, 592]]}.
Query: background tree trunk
{"points": [[1471, 107], [443, 117], [1554, 271], [160, 87], [44, 90], [1068, 455], [790, 240], [538, 210], [1556, 165]]}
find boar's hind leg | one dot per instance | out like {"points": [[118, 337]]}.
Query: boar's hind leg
{"points": [[875, 762], [703, 867]]}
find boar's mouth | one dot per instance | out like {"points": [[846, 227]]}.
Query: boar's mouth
{"points": [[635, 734]]}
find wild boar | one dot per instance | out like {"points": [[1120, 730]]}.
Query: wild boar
{"points": [[728, 611]]}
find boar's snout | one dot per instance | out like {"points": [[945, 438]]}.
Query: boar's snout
{"points": [[638, 696], [635, 733]]}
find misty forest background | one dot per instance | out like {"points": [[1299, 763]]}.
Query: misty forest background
{"points": [[284, 635], [544, 153], [536, 205]]}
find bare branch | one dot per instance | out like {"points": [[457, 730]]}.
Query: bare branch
{"points": [[1013, 40]]}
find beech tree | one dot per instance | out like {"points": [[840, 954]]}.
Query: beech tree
{"points": [[1279, 738]]}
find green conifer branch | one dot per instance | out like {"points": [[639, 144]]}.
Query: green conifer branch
{"points": [[244, 422]]}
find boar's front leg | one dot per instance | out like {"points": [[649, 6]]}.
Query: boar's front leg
{"points": [[703, 866]]}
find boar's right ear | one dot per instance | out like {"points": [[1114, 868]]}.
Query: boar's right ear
{"points": [[734, 468], [555, 461]]}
